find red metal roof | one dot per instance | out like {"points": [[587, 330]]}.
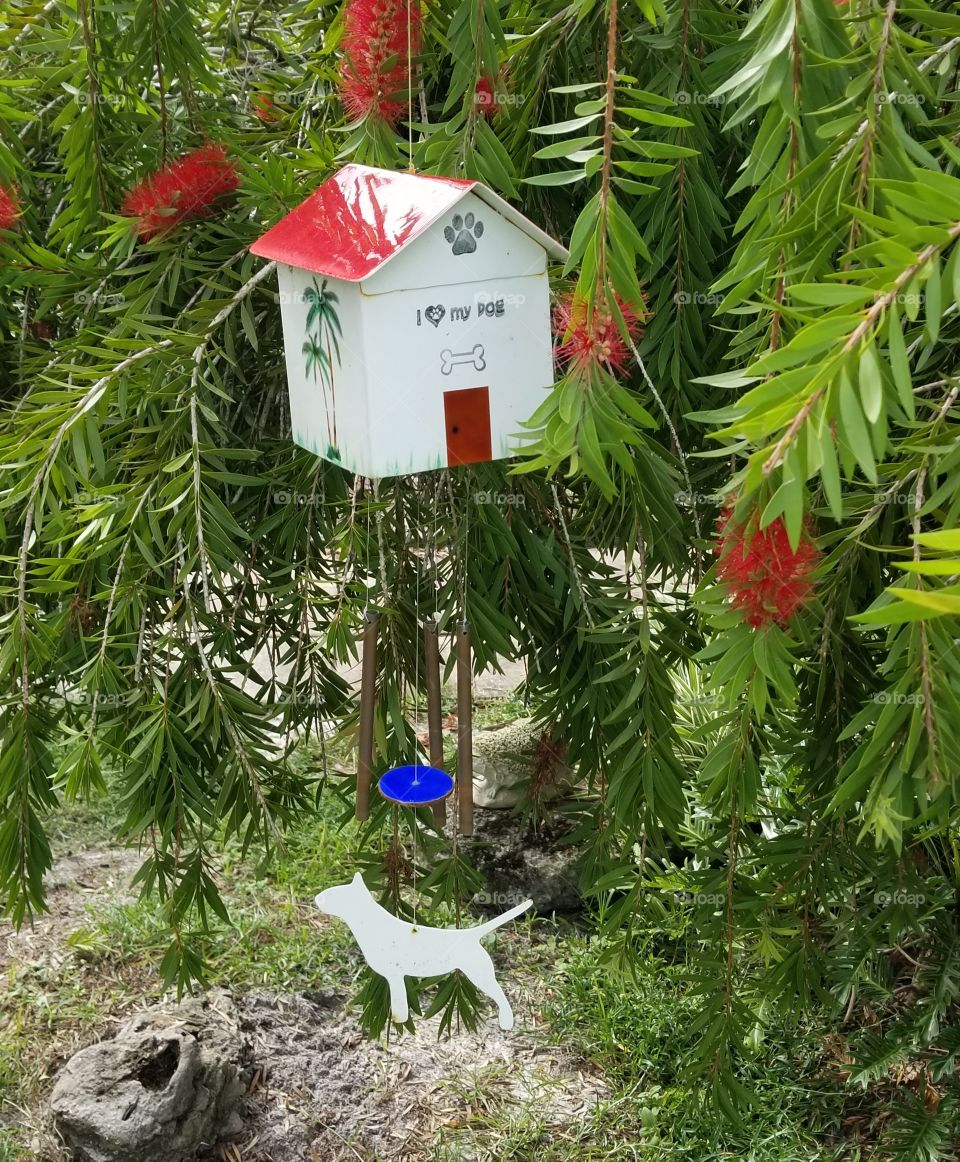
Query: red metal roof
{"points": [[361, 217]]}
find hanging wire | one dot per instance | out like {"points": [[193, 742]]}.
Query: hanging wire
{"points": [[416, 621], [464, 587], [457, 548], [416, 688], [396, 869], [381, 551], [458, 545], [413, 859], [367, 545]]}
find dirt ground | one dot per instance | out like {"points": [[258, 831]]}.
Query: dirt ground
{"points": [[322, 1091], [318, 1089], [76, 880]]}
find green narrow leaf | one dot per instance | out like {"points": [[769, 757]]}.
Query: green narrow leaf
{"points": [[943, 540], [565, 126], [932, 301], [565, 148], [563, 178], [855, 433], [830, 472], [899, 362], [871, 384]]}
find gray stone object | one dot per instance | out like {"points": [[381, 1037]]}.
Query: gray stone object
{"points": [[518, 858], [502, 766], [165, 1086]]}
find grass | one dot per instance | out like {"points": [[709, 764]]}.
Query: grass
{"points": [[107, 962], [498, 712], [12, 1146], [637, 1029], [631, 1032], [275, 937]]}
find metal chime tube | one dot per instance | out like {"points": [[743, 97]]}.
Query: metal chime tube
{"points": [[465, 729], [368, 696], [431, 652]]}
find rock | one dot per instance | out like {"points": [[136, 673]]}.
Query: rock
{"points": [[166, 1085], [518, 859], [504, 763]]}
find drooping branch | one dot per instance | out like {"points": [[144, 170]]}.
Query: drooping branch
{"points": [[872, 317]]}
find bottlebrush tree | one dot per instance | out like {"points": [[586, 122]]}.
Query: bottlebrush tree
{"points": [[731, 560]]}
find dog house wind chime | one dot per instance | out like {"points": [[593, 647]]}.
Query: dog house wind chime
{"points": [[416, 329]]}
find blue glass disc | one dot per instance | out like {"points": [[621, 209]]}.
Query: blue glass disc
{"points": [[415, 786]]}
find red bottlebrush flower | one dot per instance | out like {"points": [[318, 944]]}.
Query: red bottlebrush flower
{"points": [[378, 39], [9, 207], [767, 579], [185, 188], [485, 97], [588, 341], [264, 108]]}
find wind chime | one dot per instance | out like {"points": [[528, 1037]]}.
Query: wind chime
{"points": [[416, 326], [417, 336], [419, 785]]}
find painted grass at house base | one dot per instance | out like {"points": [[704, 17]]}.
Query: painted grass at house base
{"points": [[343, 457]]}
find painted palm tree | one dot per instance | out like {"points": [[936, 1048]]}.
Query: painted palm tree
{"points": [[319, 349]]}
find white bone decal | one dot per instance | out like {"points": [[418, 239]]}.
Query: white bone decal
{"points": [[450, 359]]}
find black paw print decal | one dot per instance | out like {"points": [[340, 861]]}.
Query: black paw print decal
{"points": [[463, 233]]}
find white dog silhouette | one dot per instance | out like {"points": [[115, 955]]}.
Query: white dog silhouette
{"points": [[396, 948]]}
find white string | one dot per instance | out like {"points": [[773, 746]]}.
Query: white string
{"points": [[464, 529], [418, 631], [418, 645], [367, 577], [461, 585]]}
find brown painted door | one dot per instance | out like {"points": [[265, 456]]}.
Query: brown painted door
{"points": [[467, 416]]}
